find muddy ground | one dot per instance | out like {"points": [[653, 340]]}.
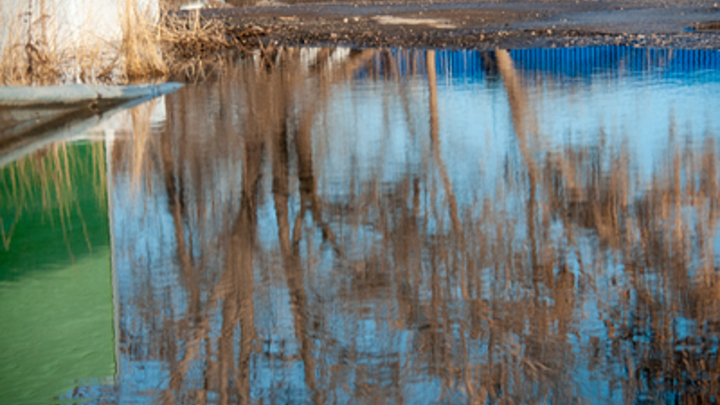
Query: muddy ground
{"points": [[482, 25]]}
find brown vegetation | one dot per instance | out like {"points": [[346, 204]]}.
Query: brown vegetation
{"points": [[173, 45], [193, 47]]}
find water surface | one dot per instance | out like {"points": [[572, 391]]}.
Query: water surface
{"points": [[368, 226]]}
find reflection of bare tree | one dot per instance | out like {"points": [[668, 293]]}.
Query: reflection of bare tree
{"points": [[392, 284]]}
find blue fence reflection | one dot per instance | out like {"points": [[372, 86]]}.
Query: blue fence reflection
{"points": [[564, 62]]}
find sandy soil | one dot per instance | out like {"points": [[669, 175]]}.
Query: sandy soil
{"points": [[483, 25]]}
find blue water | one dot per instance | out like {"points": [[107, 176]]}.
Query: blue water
{"points": [[413, 226]]}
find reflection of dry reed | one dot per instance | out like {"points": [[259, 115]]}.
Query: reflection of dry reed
{"points": [[141, 159], [142, 138], [486, 300], [45, 179]]}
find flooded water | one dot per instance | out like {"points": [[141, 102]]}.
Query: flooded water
{"points": [[344, 226]]}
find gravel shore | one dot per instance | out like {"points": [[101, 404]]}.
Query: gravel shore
{"points": [[482, 25]]}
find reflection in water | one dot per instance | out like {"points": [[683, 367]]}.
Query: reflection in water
{"points": [[333, 226], [55, 290]]}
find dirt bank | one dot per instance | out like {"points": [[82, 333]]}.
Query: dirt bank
{"points": [[456, 24]]}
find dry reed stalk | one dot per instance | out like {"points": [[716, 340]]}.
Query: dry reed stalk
{"points": [[26, 55], [34, 51], [38, 49], [139, 49], [140, 120]]}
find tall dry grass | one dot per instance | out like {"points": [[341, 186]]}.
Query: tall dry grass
{"points": [[37, 48], [140, 52], [25, 53]]}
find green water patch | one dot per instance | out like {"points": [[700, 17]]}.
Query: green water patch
{"points": [[53, 208], [56, 330], [56, 311]]}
